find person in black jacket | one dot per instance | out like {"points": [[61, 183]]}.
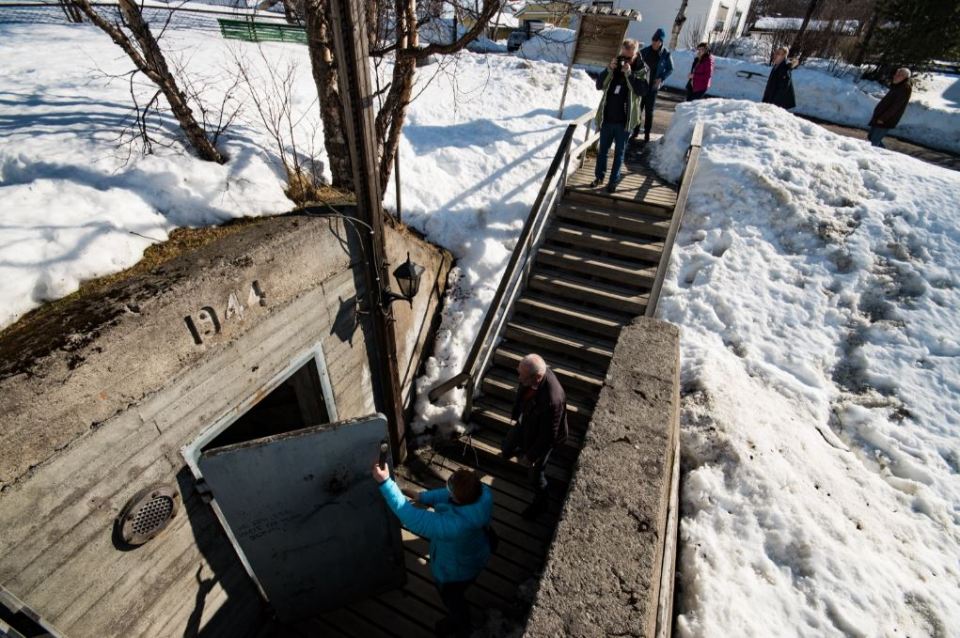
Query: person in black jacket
{"points": [[890, 109], [540, 414], [779, 89]]}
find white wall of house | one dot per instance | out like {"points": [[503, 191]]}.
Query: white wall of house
{"points": [[703, 18]]}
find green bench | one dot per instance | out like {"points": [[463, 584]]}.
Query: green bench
{"points": [[252, 31]]}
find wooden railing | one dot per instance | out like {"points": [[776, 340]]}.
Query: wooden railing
{"points": [[686, 179], [518, 268]]}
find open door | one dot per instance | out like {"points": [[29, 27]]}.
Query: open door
{"points": [[306, 516]]}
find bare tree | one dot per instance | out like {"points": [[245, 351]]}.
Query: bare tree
{"points": [[796, 47], [142, 47], [72, 12], [678, 24], [400, 23]]}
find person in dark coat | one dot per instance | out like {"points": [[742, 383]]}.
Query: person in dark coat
{"points": [[890, 109], [660, 64], [779, 89], [540, 414], [701, 73]]}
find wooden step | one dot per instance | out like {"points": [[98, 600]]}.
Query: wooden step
{"points": [[591, 320], [540, 337], [578, 289], [591, 264], [571, 377], [601, 198], [492, 412], [634, 248], [499, 392], [489, 456], [565, 454], [634, 223]]}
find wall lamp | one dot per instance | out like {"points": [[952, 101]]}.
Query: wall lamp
{"points": [[408, 276]]}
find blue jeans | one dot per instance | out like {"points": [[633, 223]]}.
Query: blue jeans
{"points": [[876, 135], [611, 134]]}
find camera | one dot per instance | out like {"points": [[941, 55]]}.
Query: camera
{"points": [[621, 60]]}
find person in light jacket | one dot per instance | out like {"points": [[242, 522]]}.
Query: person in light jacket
{"points": [[622, 82], [458, 532], [701, 73], [779, 89], [890, 109]]}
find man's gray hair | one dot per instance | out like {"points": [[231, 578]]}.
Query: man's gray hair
{"points": [[784, 50], [629, 42], [534, 363], [905, 71]]}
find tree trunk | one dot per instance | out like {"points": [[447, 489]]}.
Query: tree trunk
{"points": [[149, 60], [320, 45], [798, 39], [678, 25], [864, 45]]}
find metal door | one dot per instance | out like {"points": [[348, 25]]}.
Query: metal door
{"points": [[307, 516]]}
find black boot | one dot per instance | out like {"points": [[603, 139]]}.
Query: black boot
{"points": [[596, 182]]}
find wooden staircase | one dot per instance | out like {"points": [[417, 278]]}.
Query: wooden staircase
{"points": [[587, 262]]}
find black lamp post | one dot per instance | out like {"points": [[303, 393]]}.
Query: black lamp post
{"points": [[408, 276]]}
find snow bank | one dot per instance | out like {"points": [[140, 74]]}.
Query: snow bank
{"points": [[553, 44], [932, 118], [816, 282], [76, 205]]}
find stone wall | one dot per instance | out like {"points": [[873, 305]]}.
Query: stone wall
{"points": [[603, 573]]}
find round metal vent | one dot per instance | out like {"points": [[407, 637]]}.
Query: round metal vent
{"points": [[147, 514]]}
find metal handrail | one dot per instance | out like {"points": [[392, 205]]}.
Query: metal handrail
{"points": [[686, 179], [516, 270]]}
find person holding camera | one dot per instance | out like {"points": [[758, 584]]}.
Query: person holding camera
{"points": [[459, 533], [622, 82]]}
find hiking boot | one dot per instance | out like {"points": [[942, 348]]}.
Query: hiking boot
{"points": [[596, 182], [612, 186]]}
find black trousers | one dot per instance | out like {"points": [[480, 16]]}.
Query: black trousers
{"points": [[454, 597], [537, 474], [647, 103]]}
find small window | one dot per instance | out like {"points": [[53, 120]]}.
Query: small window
{"points": [[721, 19]]}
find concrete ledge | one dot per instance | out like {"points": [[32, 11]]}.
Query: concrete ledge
{"points": [[603, 573]]}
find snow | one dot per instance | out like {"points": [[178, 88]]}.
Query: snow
{"points": [[931, 119], [770, 23], [552, 44], [479, 137], [815, 280]]}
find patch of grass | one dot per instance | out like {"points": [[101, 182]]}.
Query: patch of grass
{"points": [[181, 240]]}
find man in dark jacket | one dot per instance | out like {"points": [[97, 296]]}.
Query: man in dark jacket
{"points": [[540, 414], [660, 65], [890, 109], [779, 89]]}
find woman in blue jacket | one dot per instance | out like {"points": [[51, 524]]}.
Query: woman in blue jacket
{"points": [[457, 529]]}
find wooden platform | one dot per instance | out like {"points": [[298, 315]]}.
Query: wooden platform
{"points": [[639, 184], [591, 276]]}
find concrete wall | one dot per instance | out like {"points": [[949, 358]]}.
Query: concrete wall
{"points": [[98, 398], [603, 573]]}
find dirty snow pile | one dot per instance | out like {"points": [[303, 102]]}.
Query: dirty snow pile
{"points": [[931, 119], [77, 205], [817, 284]]}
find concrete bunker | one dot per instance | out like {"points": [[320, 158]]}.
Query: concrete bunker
{"points": [[254, 344]]}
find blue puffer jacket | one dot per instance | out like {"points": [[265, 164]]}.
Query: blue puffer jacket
{"points": [[664, 65], [459, 549]]}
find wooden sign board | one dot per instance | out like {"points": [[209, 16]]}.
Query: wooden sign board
{"points": [[600, 33], [599, 38]]}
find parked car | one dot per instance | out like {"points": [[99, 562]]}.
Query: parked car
{"points": [[530, 28]]}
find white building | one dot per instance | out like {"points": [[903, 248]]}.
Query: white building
{"points": [[707, 20]]}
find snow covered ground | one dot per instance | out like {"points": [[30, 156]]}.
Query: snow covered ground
{"points": [[816, 282], [932, 118], [479, 137]]}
